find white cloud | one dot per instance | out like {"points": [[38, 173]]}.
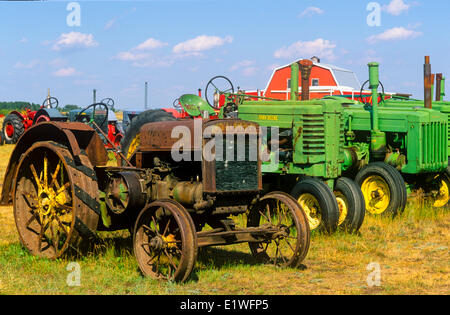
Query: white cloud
{"points": [[23, 40], [131, 56], [29, 65], [396, 7], [311, 11], [396, 33], [74, 40], [137, 53], [201, 43], [66, 72], [319, 47], [150, 44], [110, 24]]}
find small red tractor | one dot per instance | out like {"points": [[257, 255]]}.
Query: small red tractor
{"points": [[16, 122]]}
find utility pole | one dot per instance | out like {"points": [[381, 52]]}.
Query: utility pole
{"points": [[95, 96], [146, 94]]}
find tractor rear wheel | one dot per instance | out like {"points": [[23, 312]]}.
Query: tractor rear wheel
{"points": [[55, 202], [13, 128], [352, 207], [383, 188], [441, 189], [132, 137], [319, 204]]}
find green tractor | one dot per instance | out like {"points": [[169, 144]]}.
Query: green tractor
{"points": [[304, 145], [307, 154], [388, 146]]}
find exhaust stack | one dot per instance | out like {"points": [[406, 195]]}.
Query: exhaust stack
{"points": [[438, 86], [294, 82], [305, 68], [427, 80]]}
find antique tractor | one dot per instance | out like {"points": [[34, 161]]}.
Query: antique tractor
{"points": [[111, 130], [390, 145], [180, 194], [15, 123], [304, 152], [308, 153]]}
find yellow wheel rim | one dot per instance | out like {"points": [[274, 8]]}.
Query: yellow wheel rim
{"points": [[342, 205], [444, 192], [134, 145], [312, 210], [376, 194], [52, 198]]}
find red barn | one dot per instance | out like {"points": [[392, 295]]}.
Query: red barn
{"points": [[325, 80]]}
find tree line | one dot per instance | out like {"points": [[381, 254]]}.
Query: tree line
{"points": [[6, 107]]}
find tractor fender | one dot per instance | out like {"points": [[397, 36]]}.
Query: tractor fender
{"points": [[79, 138], [17, 113], [51, 113]]}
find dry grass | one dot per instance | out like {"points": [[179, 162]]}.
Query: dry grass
{"points": [[412, 251]]}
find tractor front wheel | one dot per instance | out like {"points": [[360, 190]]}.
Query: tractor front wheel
{"points": [[352, 207], [383, 188], [318, 203]]}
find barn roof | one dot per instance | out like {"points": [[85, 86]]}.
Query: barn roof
{"points": [[343, 77]]}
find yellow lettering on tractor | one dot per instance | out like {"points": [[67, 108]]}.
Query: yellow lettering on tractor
{"points": [[268, 117]]}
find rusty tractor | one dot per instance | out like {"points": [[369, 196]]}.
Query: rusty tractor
{"points": [[63, 192]]}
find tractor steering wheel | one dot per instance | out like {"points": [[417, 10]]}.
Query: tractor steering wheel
{"points": [[217, 86], [362, 88], [87, 116], [50, 102], [109, 102]]}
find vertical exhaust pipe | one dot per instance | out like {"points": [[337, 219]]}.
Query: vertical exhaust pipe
{"points": [[438, 86], [294, 81], [305, 68], [427, 83], [378, 143]]}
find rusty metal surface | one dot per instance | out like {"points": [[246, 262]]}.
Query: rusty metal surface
{"points": [[157, 136], [438, 86], [427, 83], [305, 72], [75, 136], [71, 200]]}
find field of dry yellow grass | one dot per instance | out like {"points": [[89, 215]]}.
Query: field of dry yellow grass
{"points": [[411, 252]]}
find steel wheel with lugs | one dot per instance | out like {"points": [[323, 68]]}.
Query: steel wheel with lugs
{"points": [[289, 246], [165, 242], [55, 201]]}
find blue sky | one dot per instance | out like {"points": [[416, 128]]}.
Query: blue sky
{"points": [[177, 46]]}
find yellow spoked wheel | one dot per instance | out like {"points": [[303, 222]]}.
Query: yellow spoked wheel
{"points": [[342, 205], [376, 193], [311, 207], [443, 196], [47, 200], [134, 145]]}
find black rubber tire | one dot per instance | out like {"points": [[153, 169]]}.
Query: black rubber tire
{"points": [[19, 128], [328, 206], [350, 193], [395, 182], [151, 115]]}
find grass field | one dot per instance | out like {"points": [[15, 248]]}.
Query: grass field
{"points": [[412, 252]]}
